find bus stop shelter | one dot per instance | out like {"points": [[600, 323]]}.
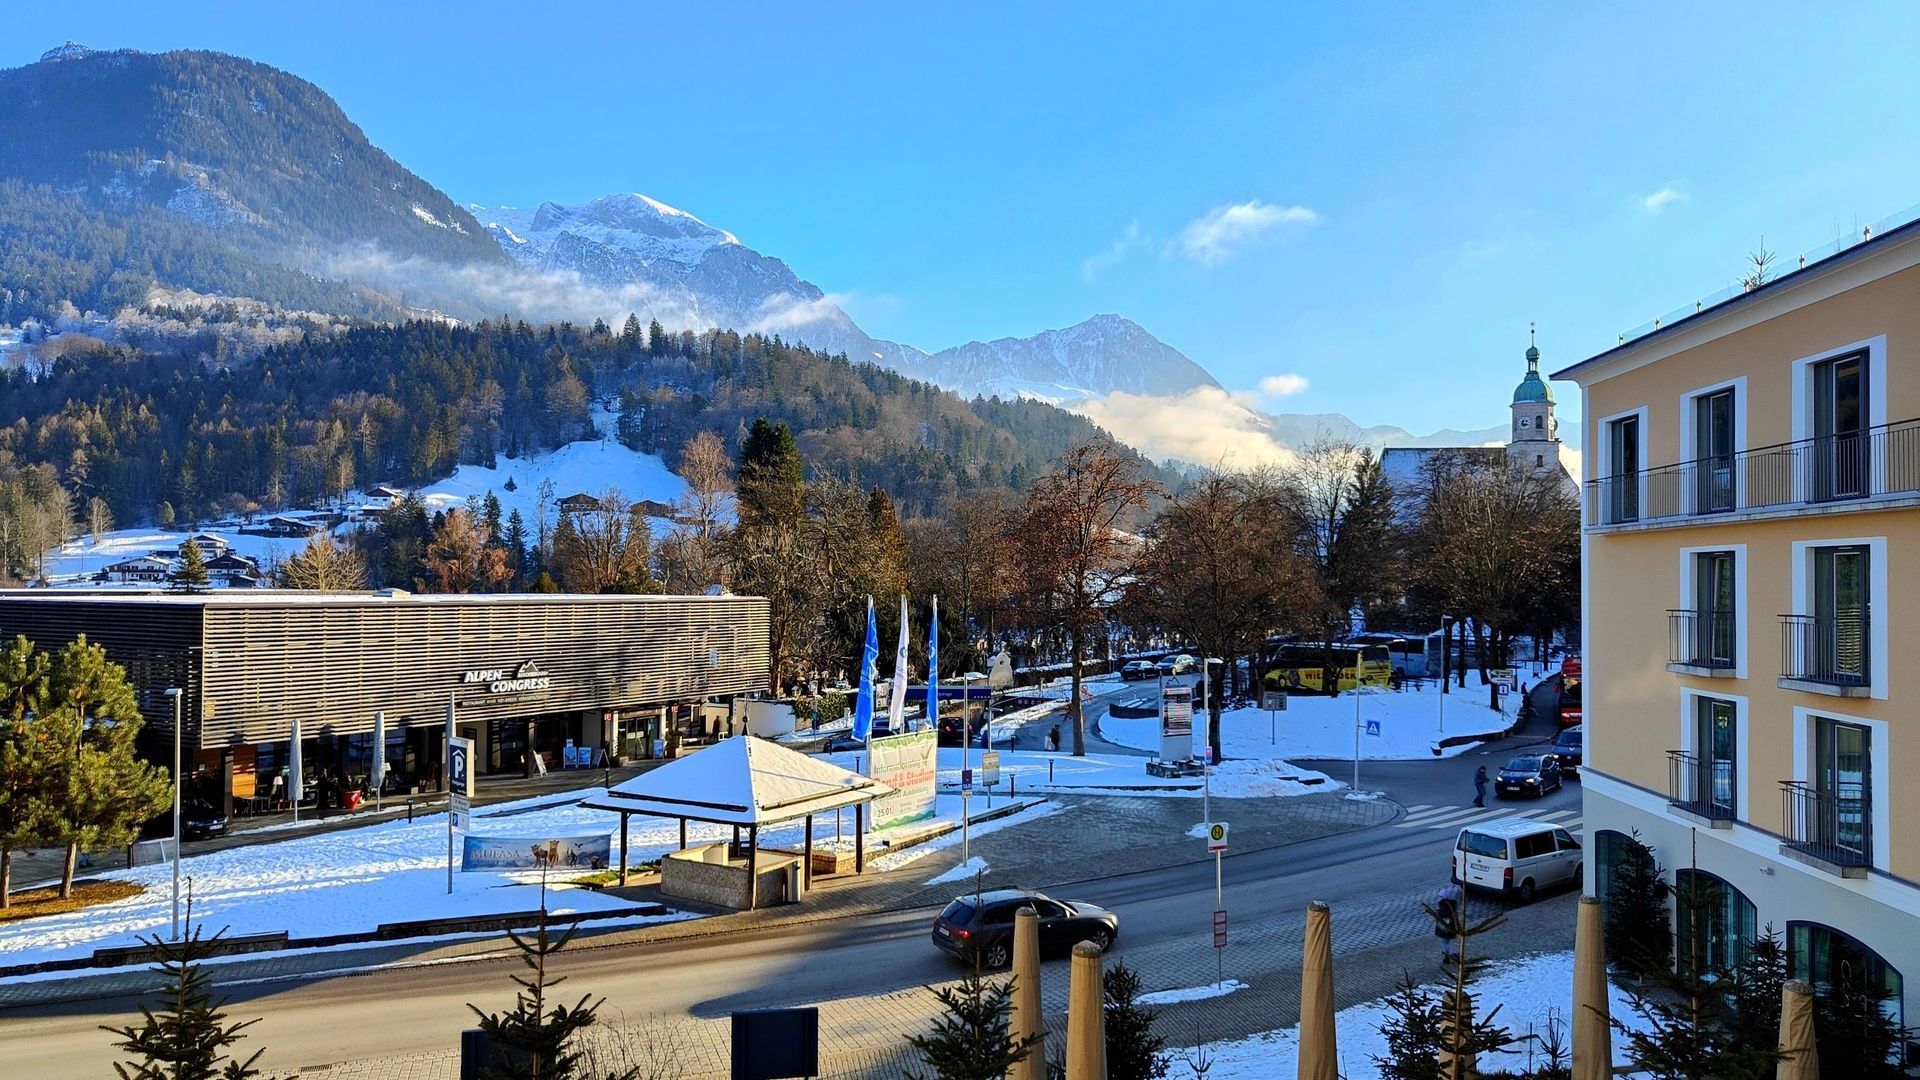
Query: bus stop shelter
{"points": [[748, 783]]}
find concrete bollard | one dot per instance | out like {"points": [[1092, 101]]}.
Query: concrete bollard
{"points": [[1802, 1060], [1592, 1031], [1086, 1018], [1319, 1046], [1028, 1020]]}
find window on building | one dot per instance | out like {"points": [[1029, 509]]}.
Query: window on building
{"points": [[1714, 922], [1714, 614], [1609, 851], [1622, 488], [1828, 958], [1840, 640], [1841, 816], [1539, 460], [1713, 449], [1839, 445], [1715, 737]]}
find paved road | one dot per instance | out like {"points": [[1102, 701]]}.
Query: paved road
{"points": [[407, 1018]]}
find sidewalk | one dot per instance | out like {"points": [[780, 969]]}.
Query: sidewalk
{"points": [[40, 867]]}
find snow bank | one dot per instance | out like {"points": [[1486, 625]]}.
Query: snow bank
{"points": [[1323, 727], [1529, 990], [1191, 993]]}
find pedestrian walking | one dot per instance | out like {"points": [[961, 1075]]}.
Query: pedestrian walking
{"points": [[1053, 738], [1480, 787]]}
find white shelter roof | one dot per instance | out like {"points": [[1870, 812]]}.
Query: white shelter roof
{"points": [[742, 781]]}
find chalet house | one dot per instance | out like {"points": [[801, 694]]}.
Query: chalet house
{"points": [[144, 569]]}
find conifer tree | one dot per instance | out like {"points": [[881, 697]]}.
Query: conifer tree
{"points": [[973, 1039], [24, 768], [1639, 927], [1134, 1051], [91, 722], [1414, 1030], [191, 575], [189, 1037], [537, 1038]]}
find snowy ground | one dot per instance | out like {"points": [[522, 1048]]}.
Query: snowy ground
{"points": [[1531, 991], [1323, 727], [948, 807], [354, 880], [1126, 775], [591, 466]]}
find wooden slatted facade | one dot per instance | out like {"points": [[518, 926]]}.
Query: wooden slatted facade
{"points": [[253, 662]]}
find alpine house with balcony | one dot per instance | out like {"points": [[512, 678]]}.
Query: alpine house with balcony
{"points": [[1755, 487]]}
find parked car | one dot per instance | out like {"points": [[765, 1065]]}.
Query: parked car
{"points": [[980, 926], [1570, 748], [199, 820], [1516, 857], [1138, 669], [842, 743], [1528, 774], [1176, 664]]}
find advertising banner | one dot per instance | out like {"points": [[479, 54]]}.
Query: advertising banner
{"points": [[907, 763], [533, 852], [1176, 723]]}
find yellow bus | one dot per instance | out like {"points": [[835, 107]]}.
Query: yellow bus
{"points": [[1302, 668]]}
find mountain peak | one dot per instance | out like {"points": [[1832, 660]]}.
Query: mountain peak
{"points": [[72, 50]]}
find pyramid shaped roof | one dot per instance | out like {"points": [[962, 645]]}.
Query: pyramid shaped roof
{"points": [[742, 781]]}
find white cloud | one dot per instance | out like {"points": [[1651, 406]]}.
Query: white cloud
{"points": [[535, 295], [1131, 239], [1279, 386], [785, 312], [1213, 237], [1204, 426], [1661, 199]]}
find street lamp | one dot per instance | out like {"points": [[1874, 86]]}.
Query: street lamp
{"points": [[174, 693], [1446, 639], [1359, 683]]}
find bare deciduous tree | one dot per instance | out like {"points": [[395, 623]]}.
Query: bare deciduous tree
{"points": [[322, 566], [1075, 549]]}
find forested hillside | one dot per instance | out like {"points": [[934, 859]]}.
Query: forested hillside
{"points": [[199, 170], [405, 404]]}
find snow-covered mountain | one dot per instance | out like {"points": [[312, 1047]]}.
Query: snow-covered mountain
{"points": [[708, 277], [697, 275], [1104, 354]]}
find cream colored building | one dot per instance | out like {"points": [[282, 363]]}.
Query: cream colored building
{"points": [[1751, 601]]}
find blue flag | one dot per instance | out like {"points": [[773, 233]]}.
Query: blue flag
{"points": [[933, 666], [869, 674]]}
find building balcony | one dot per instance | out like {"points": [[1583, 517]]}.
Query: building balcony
{"points": [[1826, 654], [1701, 643], [1701, 791], [1824, 472], [1831, 829]]}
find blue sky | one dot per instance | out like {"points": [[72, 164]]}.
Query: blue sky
{"points": [[1374, 198]]}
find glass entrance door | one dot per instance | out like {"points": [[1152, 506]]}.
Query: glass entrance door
{"points": [[1623, 487]]}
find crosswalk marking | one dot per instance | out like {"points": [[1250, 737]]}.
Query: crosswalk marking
{"points": [[1455, 817]]}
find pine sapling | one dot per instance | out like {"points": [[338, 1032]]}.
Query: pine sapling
{"points": [[188, 1037]]}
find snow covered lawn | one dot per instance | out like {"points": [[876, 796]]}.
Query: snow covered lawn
{"points": [[1126, 775], [1530, 990], [1322, 727]]}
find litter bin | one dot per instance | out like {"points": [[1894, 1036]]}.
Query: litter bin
{"points": [[351, 800], [796, 886]]}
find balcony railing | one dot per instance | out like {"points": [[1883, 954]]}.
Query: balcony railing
{"points": [[1700, 639], [1701, 787], [1827, 651], [1831, 827], [1830, 468]]}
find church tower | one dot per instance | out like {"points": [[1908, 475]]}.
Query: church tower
{"points": [[1535, 441]]}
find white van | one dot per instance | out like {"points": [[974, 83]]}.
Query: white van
{"points": [[1515, 857]]}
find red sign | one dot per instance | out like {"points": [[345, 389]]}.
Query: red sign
{"points": [[1220, 929]]}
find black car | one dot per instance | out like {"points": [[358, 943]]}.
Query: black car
{"points": [[980, 927], [199, 820], [1134, 670], [1569, 748], [1528, 774]]}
